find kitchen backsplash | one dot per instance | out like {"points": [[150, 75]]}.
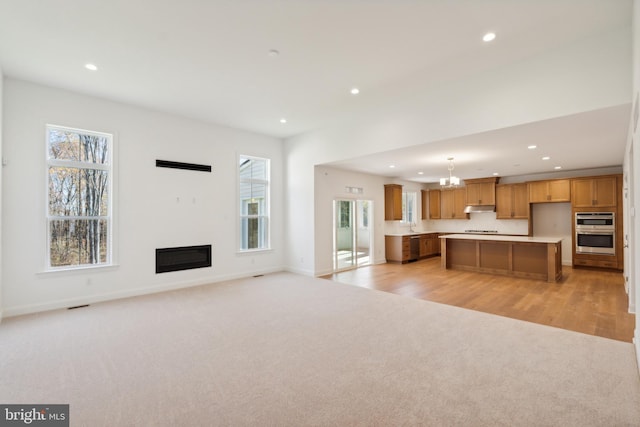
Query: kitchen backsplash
{"points": [[477, 221]]}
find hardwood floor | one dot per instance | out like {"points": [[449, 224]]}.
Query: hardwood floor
{"points": [[589, 301]]}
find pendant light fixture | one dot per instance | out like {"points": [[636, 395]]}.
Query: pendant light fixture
{"points": [[452, 181]]}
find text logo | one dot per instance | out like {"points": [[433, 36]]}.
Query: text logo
{"points": [[34, 415]]}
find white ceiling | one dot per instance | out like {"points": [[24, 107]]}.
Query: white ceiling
{"points": [[589, 140], [209, 60]]}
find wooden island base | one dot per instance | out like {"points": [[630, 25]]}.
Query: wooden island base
{"points": [[528, 257]]}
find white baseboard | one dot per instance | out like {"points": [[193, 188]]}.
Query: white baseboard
{"points": [[301, 271], [147, 290]]}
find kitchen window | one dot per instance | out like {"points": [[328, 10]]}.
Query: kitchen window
{"points": [[254, 178], [79, 198], [409, 207]]}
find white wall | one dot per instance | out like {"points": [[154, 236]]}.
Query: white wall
{"points": [[584, 76], [330, 184], [554, 220], [634, 186], [1, 174], [146, 205]]}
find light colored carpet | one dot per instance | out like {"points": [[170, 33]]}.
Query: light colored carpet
{"points": [[284, 349]]}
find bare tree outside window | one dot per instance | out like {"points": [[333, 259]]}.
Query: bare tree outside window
{"points": [[79, 211]]}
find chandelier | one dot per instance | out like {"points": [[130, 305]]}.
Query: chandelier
{"points": [[452, 181]]}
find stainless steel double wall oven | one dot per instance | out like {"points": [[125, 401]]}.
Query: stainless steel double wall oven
{"points": [[595, 233]]}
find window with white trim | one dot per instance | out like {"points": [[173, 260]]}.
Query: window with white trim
{"points": [[409, 207], [253, 177], [79, 198]]}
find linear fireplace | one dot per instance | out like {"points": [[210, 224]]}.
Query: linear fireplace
{"points": [[182, 258]]}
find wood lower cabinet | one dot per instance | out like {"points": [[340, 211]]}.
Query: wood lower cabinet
{"points": [[392, 202], [520, 257], [429, 245], [512, 201], [452, 204], [594, 261], [398, 248], [557, 190], [594, 192]]}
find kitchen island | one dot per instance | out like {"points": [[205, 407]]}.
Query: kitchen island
{"points": [[520, 256]]}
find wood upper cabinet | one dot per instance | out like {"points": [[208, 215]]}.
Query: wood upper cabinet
{"points": [[425, 203], [557, 190], [512, 201], [434, 204], [594, 192], [452, 204], [430, 204], [392, 202], [481, 191]]}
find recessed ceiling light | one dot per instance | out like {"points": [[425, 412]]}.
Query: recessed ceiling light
{"points": [[532, 147], [392, 166], [489, 37], [546, 158], [355, 91], [283, 120], [420, 173], [91, 67], [558, 167], [273, 53], [496, 174]]}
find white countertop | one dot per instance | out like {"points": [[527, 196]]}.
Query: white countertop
{"points": [[415, 233], [503, 238]]}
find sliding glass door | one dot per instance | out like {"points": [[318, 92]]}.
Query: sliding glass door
{"points": [[352, 230]]}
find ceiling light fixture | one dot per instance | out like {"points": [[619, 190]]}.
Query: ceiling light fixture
{"points": [[91, 67], [355, 91], [496, 174], [558, 167], [489, 37], [452, 181], [283, 120], [392, 166], [546, 158], [420, 173], [273, 53], [532, 147]]}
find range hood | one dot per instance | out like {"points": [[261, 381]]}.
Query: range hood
{"points": [[480, 209]]}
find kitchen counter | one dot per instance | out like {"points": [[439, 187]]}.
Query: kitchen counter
{"points": [[413, 233], [521, 256], [503, 238]]}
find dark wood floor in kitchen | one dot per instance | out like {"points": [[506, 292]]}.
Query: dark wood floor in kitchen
{"points": [[590, 301]]}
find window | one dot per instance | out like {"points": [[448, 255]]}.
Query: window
{"points": [[253, 178], [79, 221], [409, 207], [344, 209]]}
